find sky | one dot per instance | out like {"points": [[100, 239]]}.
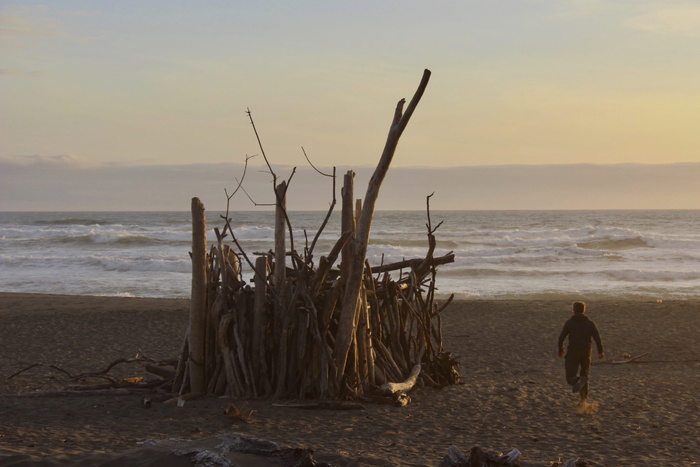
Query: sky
{"points": [[92, 93]]}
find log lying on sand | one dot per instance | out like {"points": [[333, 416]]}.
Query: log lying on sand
{"points": [[223, 450], [404, 386], [624, 358], [478, 458]]}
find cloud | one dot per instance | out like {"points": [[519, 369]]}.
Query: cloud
{"points": [[671, 17], [38, 161], [20, 72], [24, 28], [24, 25], [680, 20], [78, 13], [581, 9]]}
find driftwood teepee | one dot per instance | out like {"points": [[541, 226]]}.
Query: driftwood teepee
{"points": [[314, 331]]}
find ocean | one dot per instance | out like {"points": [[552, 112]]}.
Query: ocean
{"points": [[572, 255]]}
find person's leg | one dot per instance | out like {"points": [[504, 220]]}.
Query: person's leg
{"points": [[584, 391], [571, 364], [585, 361], [585, 370]]}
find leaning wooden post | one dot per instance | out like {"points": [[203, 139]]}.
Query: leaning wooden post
{"points": [[198, 305], [349, 307]]}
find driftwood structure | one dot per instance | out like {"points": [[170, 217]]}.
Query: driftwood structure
{"points": [[336, 328]]}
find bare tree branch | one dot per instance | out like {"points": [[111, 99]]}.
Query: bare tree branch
{"points": [[313, 166], [250, 116]]}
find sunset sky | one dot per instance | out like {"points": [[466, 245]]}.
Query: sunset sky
{"points": [[88, 86]]}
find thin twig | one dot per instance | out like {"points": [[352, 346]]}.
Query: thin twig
{"points": [[314, 167], [255, 130]]}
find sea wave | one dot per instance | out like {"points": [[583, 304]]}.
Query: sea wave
{"points": [[121, 240], [72, 221], [182, 265], [613, 244], [497, 254]]}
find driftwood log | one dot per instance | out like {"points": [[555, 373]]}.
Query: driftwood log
{"points": [[404, 386], [111, 385], [479, 458]]}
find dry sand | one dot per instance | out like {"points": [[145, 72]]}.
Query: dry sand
{"points": [[513, 393]]}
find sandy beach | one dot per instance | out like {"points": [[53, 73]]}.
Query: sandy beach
{"points": [[513, 393]]}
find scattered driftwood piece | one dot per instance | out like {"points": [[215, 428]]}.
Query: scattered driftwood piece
{"points": [[184, 397], [398, 392], [134, 385], [622, 359], [233, 449], [401, 399], [404, 386], [53, 367], [82, 392], [239, 413], [630, 359], [103, 373], [478, 458], [570, 463], [323, 405], [414, 263]]}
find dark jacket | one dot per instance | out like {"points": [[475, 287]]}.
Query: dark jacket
{"points": [[580, 330]]}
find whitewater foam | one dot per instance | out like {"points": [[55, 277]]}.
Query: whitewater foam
{"points": [[498, 254]]}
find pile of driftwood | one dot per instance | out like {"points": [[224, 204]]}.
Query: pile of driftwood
{"points": [[331, 328]]}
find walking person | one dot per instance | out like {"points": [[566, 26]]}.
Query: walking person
{"points": [[577, 364]]}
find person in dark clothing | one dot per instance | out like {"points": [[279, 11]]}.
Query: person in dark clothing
{"points": [[577, 364]]}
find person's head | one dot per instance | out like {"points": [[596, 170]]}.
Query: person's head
{"points": [[579, 308]]}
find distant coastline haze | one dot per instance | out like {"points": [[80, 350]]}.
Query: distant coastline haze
{"points": [[65, 184]]}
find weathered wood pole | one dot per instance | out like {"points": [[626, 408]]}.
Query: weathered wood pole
{"points": [[280, 232], [349, 308], [259, 323], [347, 224], [198, 305], [280, 275], [261, 272]]}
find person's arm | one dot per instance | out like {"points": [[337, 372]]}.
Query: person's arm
{"points": [[562, 336], [598, 342]]}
